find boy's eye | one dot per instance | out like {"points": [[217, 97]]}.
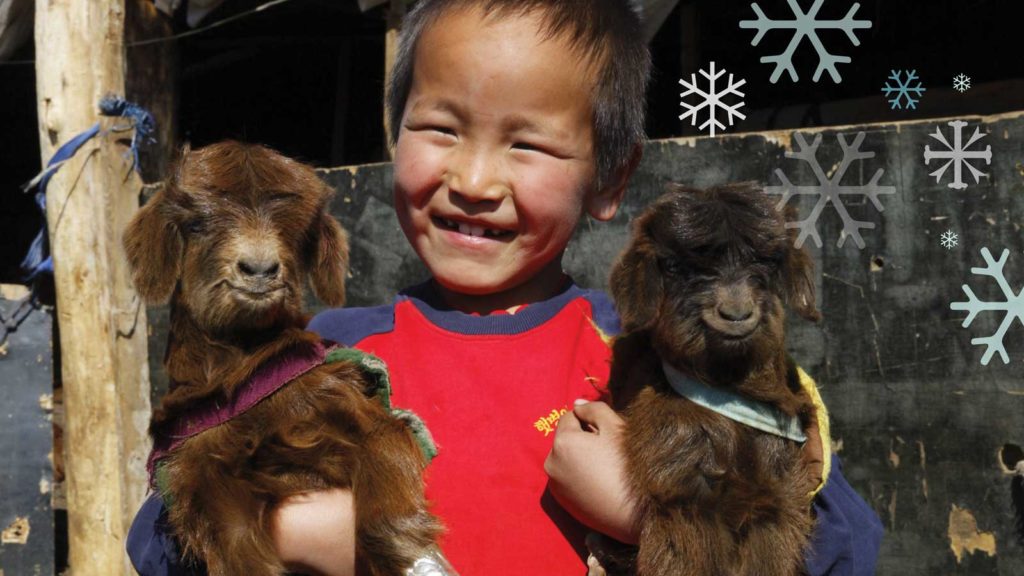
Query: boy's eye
{"points": [[414, 126], [526, 146], [543, 149]]}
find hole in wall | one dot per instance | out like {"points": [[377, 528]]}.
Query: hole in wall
{"points": [[1009, 456]]}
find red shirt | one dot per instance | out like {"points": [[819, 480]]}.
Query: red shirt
{"points": [[491, 390]]}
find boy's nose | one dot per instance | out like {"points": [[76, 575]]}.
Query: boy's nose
{"points": [[476, 179]]}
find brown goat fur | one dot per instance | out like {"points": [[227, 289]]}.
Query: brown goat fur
{"points": [[231, 239], [701, 286]]}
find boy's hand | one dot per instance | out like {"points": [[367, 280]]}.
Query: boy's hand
{"points": [[315, 532], [587, 473]]}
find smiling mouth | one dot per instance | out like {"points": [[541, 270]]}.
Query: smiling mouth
{"points": [[256, 294], [472, 229], [730, 331]]}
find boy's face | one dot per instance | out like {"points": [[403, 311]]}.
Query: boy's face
{"points": [[494, 163]]}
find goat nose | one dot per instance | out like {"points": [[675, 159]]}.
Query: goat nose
{"points": [[259, 267], [735, 311]]}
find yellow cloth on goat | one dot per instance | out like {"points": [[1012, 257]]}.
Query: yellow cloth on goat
{"points": [[823, 427]]}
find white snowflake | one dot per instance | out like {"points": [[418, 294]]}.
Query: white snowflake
{"points": [[1014, 306], [962, 83], [711, 99], [804, 24], [902, 89], [958, 155], [830, 189], [948, 239]]}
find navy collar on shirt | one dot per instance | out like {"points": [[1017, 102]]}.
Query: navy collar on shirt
{"points": [[428, 301]]}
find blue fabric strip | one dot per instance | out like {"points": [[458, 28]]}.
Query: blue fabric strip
{"points": [[758, 415], [38, 259]]}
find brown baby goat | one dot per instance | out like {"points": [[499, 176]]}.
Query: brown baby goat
{"points": [[231, 238], [700, 288]]}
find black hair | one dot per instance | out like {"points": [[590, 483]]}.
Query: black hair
{"points": [[605, 33]]}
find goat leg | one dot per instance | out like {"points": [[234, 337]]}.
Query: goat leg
{"points": [[393, 527], [219, 519]]}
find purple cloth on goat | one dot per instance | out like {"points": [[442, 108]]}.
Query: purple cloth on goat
{"points": [[268, 378]]}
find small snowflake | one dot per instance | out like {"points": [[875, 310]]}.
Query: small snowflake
{"points": [[1014, 306], [962, 83], [958, 155], [902, 89], [948, 239], [830, 189], [711, 99], [804, 24]]}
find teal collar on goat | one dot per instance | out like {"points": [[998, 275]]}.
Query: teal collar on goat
{"points": [[759, 415]]}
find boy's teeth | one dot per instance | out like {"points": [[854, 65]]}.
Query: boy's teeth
{"points": [[469, 229]]}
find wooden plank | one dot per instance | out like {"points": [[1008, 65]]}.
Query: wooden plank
{"points": [[102, 325], [152, 81], [26, 438]]}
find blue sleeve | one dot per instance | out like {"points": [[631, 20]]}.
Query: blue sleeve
{"points": [[605, 316], [151, 549], [847, 533], [349, 326]]}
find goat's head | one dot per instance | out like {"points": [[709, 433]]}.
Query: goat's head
{"points": [[233, 234], [707, 271]]}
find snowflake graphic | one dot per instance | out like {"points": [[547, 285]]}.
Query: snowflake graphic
{"points": [[830, 189], [902, 89], [958, 155], [962, 83], [948, 239], [804, 24], [1014, 306], [711, 99]]}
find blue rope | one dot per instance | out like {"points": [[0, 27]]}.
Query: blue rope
{"points": [[38, 259], [144, 123]]}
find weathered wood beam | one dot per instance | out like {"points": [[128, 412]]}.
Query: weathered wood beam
{"points": [[152, 81], [81, 58]]}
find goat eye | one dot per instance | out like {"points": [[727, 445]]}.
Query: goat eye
{"points": [[195, 226], [672, 268]]}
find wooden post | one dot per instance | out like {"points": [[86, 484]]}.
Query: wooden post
{"points": [[81, 57]]}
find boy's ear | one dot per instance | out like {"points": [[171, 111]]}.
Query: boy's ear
{"points": [[155, 248], [798, 272], [636, 284], [605, 202], [330, 260]]}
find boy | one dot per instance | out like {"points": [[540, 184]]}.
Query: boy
{"points": [[511, 119]]}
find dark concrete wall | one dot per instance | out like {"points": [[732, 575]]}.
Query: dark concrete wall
{"points": [[26, 441], [917, 420]]}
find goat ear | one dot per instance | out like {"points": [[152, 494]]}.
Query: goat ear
{"points": [[798, 272], [636, 283], [155, 248], [330, 260]]}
